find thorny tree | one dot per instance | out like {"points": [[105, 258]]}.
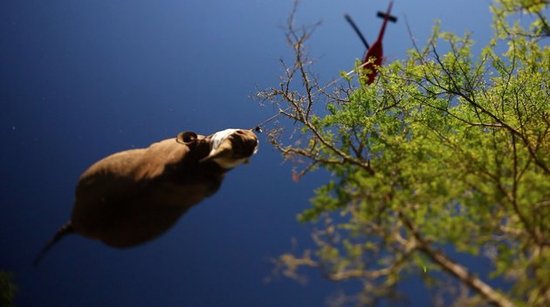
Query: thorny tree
{"points": [[445, 154]]}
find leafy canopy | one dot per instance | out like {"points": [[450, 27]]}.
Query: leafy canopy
{"points": [[447, 153]]}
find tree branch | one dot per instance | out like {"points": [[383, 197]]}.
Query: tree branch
{"points": [[456, 269]]}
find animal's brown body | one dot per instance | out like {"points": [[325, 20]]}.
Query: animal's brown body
{"points": [[134, 196]]}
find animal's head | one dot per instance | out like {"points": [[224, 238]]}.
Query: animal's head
{"points": [[227, 148]]}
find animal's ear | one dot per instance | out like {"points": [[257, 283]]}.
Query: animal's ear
{"points": [[186, 137]]}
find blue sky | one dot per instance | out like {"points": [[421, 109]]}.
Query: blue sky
{"points": [[83, 79]]}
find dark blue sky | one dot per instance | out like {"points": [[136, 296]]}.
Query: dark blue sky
{"points": [[82, 79]]}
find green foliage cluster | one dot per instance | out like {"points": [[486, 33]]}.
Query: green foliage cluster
{"points": [[446, 152], [7, 289]]}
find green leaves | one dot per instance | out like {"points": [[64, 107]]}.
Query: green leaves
{"points": [[445, 149], [7, 289]]}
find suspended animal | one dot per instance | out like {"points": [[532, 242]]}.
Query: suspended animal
{"points": [[375, 53], [134, 196]]}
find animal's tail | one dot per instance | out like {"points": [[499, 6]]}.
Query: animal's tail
{"points": [[62, 232]]}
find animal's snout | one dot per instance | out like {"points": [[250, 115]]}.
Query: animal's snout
{"points": [[231, 147], [245, 143]]}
